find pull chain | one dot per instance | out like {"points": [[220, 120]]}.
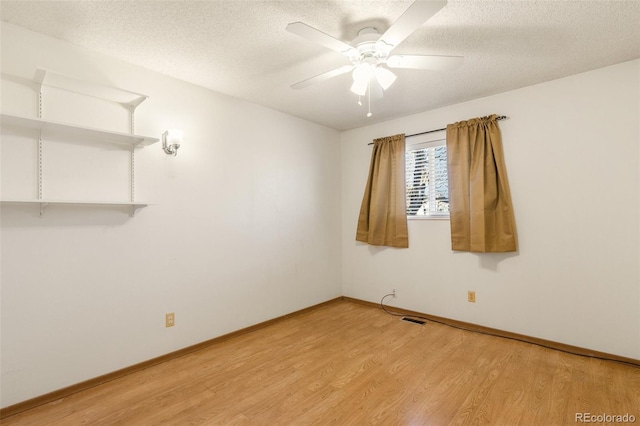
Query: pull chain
{"points": [[369, 96]]}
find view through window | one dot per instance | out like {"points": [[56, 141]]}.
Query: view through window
{"points": [[427, 186]]}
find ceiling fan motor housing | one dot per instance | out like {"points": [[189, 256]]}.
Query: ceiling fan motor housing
{"points": [[369, 49]]}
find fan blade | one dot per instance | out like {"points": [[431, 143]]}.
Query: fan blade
{"points": [[417, 14], [322, 77], [428, 62], [317, 36]]}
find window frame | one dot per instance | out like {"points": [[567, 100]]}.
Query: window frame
{"points": [[423, 142]]}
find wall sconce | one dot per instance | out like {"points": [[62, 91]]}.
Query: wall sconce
{"points": [[171, 141]]}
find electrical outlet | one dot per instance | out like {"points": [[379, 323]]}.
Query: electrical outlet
{"points": [[394, 292], [471, 296], [170, 320]]}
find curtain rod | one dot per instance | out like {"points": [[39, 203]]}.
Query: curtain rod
{"points": [[501, 117]]}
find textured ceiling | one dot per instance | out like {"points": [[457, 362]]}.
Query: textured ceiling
{"points": [[241, 48]]}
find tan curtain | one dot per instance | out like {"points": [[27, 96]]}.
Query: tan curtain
{"points": [[482, 217], [383, 216]]}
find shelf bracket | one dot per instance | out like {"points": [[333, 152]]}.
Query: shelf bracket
{"points": [[42, 206], [134, 209]]}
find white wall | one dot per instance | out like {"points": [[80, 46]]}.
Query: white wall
{"points": [[245, 228], [572, 155], [247, 222]]}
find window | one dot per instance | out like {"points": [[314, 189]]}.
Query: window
{"points": [[427, 186]]}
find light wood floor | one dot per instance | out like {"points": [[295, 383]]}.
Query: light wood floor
{"points": [[350, 364]]}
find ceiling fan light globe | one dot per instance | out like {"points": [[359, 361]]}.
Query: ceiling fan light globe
{"points": [[385, 77], [359, 87], [363, 72]]}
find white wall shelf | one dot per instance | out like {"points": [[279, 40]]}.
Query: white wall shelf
{"points": [[49, 130], [72, 84], [57, 129], [45, 202]]}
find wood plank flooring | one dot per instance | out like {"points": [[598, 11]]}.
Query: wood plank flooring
{"points": [[349, 364]]}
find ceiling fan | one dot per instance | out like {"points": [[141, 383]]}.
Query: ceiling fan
{"points": [[369, 52]]}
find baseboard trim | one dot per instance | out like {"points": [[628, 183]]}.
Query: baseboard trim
{"points": [[87, 384], [507, 334]]}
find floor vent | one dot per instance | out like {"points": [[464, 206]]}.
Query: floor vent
{"points": [[413, 320]]}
